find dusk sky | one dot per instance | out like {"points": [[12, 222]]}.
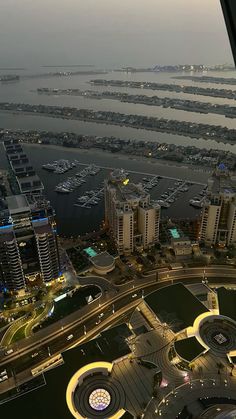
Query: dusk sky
{"points": [[112, 32]]}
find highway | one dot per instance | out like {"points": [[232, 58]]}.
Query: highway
{"points": [[86, 323]]}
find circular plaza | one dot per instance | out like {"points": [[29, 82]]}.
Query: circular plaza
{"points": [[92, 393], [219, 334]]}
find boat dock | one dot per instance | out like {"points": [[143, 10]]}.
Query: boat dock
{"points": [[90, 198]]}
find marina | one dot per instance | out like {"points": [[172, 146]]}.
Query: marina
{"points": [[150, 183], [59, 166], [71, 183], [73, 220], [90, 198]]}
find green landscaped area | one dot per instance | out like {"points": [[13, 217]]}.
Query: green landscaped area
{"points": [[189, 349], [176, 306], [20, 334], [68, 305], [227, 302]]}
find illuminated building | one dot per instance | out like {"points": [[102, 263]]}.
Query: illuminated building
{"points": [[28, 242], [131, 217], [218, 225], [11, 269], [28, 239]]}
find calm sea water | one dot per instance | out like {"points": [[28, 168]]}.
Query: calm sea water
{"points": [[25, 92], [74, 220]]}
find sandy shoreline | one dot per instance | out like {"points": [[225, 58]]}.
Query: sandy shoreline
{"points": [[119, 124]]}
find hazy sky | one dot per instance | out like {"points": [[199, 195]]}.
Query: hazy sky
{"points": [[112, 32]]}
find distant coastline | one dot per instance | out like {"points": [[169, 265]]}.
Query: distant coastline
{"points": [[186, 129]]}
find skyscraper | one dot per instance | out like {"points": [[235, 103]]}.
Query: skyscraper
{"points": [[28, 239], [218, 225], [131, 217], [28, 242]]}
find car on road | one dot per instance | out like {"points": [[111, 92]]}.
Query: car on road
{"points": [[134, 295], [70, 337], [98, 321], [34, 355], [5, 377], [10, 351], [101, 315], [3, 373]]}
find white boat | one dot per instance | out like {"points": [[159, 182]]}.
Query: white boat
{"points": [[62, 190], [162, 203], [196, 204]]}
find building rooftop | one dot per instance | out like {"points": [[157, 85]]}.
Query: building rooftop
{"points": [[222, 182], [43, 229], [124, 189], [32, 182], [128, 191], [227, 302], [176, 306], [102, 260], [132, 191], [17, 203], [17, 156], [198, 289], [20, 165], [189, 349], [11, 148]]}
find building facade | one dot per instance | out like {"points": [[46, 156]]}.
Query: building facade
{"points": [[218, 226], [131, 217], [27, 181], [28, 237], [11, 269], [28, 242]]}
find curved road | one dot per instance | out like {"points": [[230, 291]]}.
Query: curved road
{"points": [[85, 323]]}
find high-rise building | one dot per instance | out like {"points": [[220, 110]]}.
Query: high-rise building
{"points": [[28, 238], [218, 226], [28, 242], [11, 270], [131, 217], [27, 181]]}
